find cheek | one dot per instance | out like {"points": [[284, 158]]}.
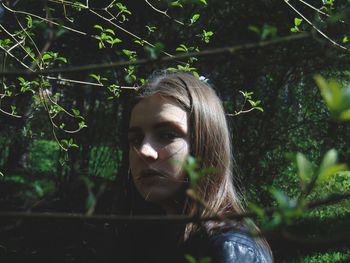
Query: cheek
{"points": [[133, 163], [176, 154]]}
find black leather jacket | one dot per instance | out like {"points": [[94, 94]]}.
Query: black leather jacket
{"points": [[229, 246], [233, 246]]}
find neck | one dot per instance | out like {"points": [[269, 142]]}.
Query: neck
{"points": [[172, 207]]}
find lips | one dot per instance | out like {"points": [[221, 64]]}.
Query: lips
{"points": [[149, 173]]}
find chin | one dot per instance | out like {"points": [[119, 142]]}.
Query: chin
{"points": [[155, 197]]}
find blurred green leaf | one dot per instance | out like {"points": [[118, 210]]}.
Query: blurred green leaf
{"points": [[336, 97], [305, 169], [205, 260], [329, 166], [190, 259], [258, 210], [282, 199]]}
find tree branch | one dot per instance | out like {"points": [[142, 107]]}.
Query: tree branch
{"points": [[164, 59], [168, 219]]}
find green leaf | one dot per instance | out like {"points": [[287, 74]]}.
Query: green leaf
{"points": [[345, 115], [336, 97], [29, 21], [329, 166], [297, 21], [194, 18], [294, 30], [328, 2], [206, 36], [257, 209], [155, 51], [62, 59], [330, 171], [108, 30], [96, 77], [151, 29], [281, 198], [190, 259], [76, 112], [182, 48], [140, 42], [331, 92], [254, 29], [175, 4], [329, 159], [47, 56], [268, 31], [38, 189], [305, 168], [98, 27], [13, 109], [21, 80], [127, 52], [205, 260], [82, 125], [116, 41], [345, 39]]}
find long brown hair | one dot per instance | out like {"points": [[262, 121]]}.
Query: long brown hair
{"points": [[209, 142]]}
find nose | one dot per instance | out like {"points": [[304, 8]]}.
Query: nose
{"points": [[148, 151]]}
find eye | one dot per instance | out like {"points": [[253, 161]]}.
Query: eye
{"points": [[168, 135]]}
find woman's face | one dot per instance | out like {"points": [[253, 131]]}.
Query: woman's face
{"points": [[158, 148]]}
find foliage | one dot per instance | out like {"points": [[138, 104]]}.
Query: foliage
{"points": [[83, 111], [43, 156], [327, 257]]}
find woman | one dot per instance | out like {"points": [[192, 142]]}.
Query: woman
{"points": [[175, 116]]}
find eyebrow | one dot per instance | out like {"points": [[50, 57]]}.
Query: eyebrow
{"points": [[159, 125], [134, 130]]}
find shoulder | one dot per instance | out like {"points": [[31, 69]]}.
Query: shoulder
{"points": [[235, 246]]}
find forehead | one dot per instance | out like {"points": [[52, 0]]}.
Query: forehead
{"points": [[155, 109]]}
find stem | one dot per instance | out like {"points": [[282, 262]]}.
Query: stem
{"points": [[165, 13]]}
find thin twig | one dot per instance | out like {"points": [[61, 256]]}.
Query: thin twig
{"points": [[311, 24], [35, 46], [239, 112], [88, 83], [68, 3], [127, 32], [17, 42], [10, 114], [47, 20], [165, 13], [319, 11], [17, 59]]}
